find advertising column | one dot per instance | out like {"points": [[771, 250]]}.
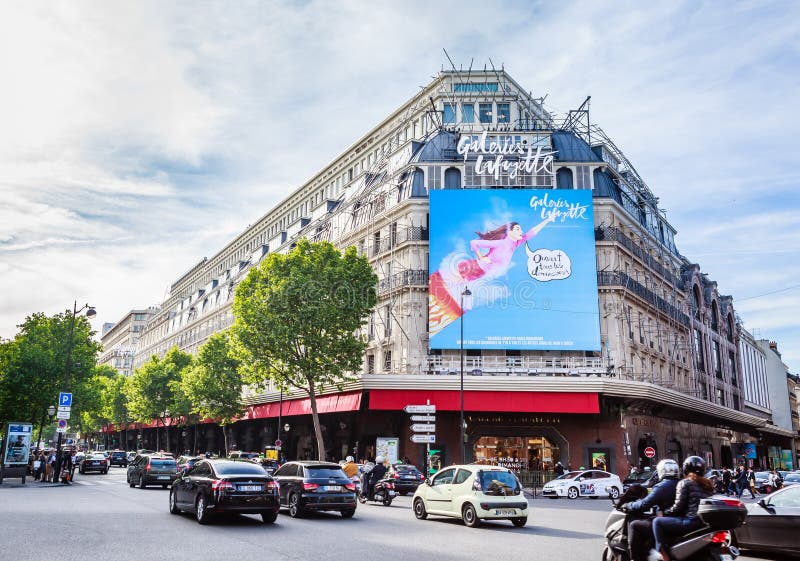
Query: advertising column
{"points": [[17, 448]]}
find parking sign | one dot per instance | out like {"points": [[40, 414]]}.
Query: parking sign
{"points": [[65, 399]]}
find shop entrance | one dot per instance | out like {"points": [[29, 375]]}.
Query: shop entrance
{"points": [[517, 453]]}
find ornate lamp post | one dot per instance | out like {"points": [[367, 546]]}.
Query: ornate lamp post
{"points": [[90, 313]]}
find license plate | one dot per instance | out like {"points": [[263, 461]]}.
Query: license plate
{"points": [[406, 477], [504, 512], [725, 557], [390, 493], [331, 487], [95, 463], [249, 487], [163, 476]]}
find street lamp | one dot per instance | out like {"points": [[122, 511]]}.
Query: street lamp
{"points": [[50, 412], [465, 294], [90, 313]]}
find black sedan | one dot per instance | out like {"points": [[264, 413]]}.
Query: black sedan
{"points": [[406, 478], [93, 462], [118, 458], [152, 470], [307, 486], [223, 486], [772, 523]]}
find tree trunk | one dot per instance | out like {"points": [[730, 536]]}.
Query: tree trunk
{"points": [[158, 438], [225, 441], [194, 445], [312, 397], [169, 448]]}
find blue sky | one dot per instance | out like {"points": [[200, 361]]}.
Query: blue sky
{"points": [[138, 137]]}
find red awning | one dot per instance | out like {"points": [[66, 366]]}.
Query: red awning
{"points": [[350, 401], [498, 401]]}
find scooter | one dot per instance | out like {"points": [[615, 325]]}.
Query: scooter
{"points": [[383, 492], [711, 542]]}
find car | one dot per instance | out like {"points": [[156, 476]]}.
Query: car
{"points": [[186, 462], [585, 483], [270, 466], [213, 487], [152, 470], [772, 522], [791, 478], [93, 462], [118, 458], [315, 486], [645, 478], [473, 493], [131, 456], [243, 455], [406, 478]]}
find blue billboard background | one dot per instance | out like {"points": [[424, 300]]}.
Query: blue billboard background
{"points": [[527, 257]]}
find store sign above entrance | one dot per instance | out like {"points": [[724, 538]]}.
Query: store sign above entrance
{"points": [[492, 153]]}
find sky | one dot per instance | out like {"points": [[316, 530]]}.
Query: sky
{"points": [[138, 137]]}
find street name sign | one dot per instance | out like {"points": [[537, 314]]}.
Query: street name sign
{"points": [[423, 418], [420, 409], [423, 438], [65, 408], [62, 415], [64, 399], [423, 428]]}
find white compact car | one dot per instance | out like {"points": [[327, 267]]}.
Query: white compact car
{"points": [[473, 493], [585, 483]]}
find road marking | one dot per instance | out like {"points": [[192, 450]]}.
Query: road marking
{"points": [[79, 482], [101, 482]]}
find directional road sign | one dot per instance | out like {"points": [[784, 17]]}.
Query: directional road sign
{"points": [[423, 428], [423, 418], [423, 438], [420, 409], [65, 399], [62, 415]]}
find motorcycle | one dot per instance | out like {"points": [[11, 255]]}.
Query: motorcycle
{"points": [[383, 492], [709, 543]]}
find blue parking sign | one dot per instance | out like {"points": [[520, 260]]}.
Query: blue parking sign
{"points": [[65, 399]]}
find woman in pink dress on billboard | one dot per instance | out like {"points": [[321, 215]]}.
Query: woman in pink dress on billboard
{"points": [[493, 252]]}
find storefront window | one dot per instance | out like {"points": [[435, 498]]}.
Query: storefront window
{"points": [[517, 453]]}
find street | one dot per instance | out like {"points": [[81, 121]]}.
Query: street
{"points": [[99, 516]]}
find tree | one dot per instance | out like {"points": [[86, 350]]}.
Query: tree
{"points": [[213, 386], [298, 318], [151, 389], [33, 365]]}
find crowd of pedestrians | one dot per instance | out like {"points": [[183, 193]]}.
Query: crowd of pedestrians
{"points": [[736, 482], [43, 466]]}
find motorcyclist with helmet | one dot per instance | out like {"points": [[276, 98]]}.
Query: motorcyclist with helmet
{"points": [[640, 532], [377, 473], [682, 517], [350, 467]]}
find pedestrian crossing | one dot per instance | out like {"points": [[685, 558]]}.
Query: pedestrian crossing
{"points": [[96, 482]]}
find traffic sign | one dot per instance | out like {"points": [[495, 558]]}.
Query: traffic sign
{"points": [[420, 409], [423, 428], [278, 442], [65, 408], [650, 452], [423, 438], [62, 425], [62, 415], [61, 430], [423, 418], [65, 399]]}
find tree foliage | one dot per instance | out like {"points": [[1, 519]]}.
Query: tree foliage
{"points": [[298, 318], [213, 385]]}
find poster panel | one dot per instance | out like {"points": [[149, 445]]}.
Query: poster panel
{"points": [[19, 444], [387, 446], [518, 266]]}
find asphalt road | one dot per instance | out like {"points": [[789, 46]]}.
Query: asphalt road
{"points": [[100, 517]]}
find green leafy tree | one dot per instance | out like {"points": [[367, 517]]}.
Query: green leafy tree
{"points": [[33, 365], [213, 386], [298, 318], [151, 389]]}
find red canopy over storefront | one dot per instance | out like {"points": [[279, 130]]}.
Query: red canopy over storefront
{"points": [[350, 401]]}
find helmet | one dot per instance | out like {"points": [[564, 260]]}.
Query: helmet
{"points": [[349, 459], [694, 464], [379, 460], [668, 468]]}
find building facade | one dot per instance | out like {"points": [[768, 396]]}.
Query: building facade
{"points": [[120, 339], [661, 365]]}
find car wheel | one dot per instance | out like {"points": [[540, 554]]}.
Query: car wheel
{"points": [[269, 516], [613, 492], [295, 510], [469, 516], [201, 511], [142, 484], [348, 513], [520, 521], [419, 509], [173, 503], [572, 493]]}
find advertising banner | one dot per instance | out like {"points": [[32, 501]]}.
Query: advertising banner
{"points": [[18, 445], [387, 446], [518, 264]]}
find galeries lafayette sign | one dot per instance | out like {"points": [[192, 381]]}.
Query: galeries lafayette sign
{"points": [[493, 156]]}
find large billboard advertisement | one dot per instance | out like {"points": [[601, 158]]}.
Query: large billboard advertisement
{"points": [[518, 265]]}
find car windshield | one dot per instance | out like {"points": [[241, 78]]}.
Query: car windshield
{"points": [[792, 477], [238, 468], [96, 457], [499, 483], [163, 463], [324, 471]]}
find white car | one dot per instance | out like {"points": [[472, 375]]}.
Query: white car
{"points": [[473, 493], [585, 483]]}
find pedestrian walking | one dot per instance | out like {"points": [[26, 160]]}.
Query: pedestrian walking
{"points": [[751, 482], [726, 481]]}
